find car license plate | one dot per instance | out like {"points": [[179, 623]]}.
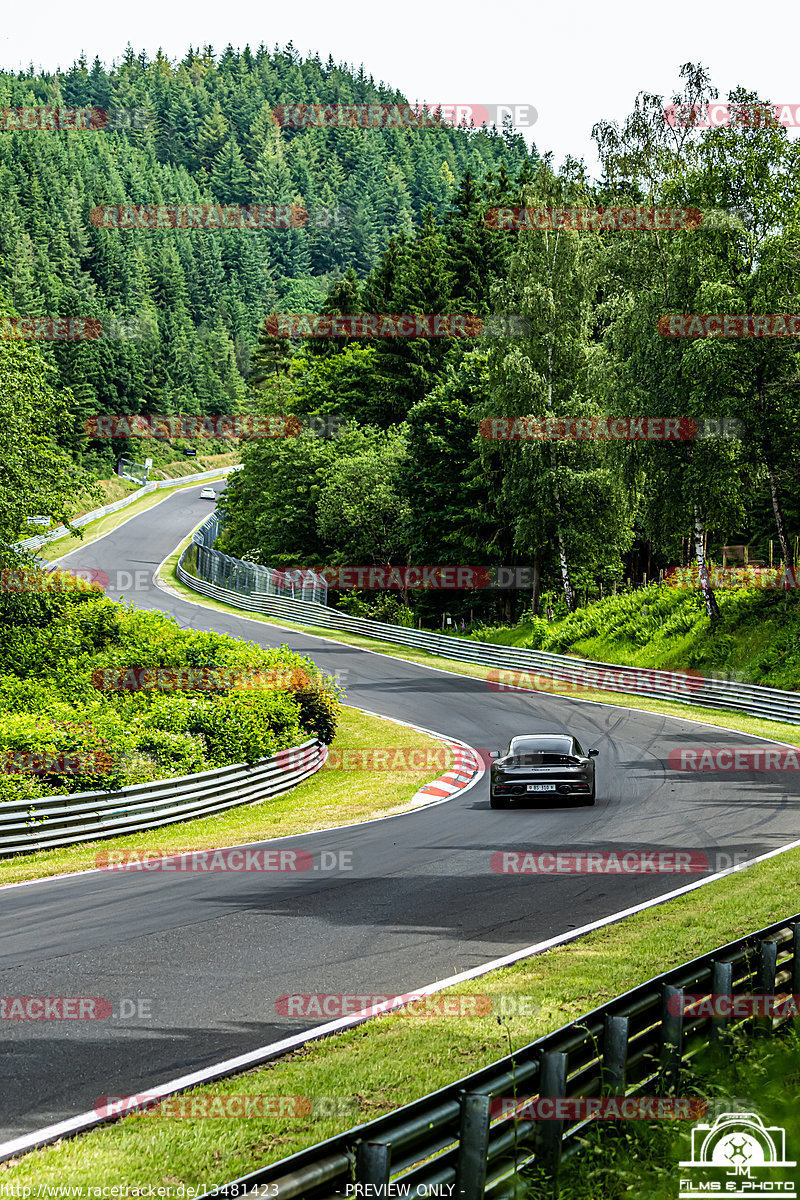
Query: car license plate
{"points": [[541, 787]]}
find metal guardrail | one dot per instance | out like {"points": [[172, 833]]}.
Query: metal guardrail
{"points": [[246, 579], [48, 821], [582, 676], [452, 1139], [33, 543]]}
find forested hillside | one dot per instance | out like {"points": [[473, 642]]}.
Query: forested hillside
{"points": [[418, 478], [189, 304], [413, 477]]}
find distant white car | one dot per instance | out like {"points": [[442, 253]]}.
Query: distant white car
{"points": [[208, 494]]}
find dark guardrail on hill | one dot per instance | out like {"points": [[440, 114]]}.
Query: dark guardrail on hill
{"points": [[455, 1138]]}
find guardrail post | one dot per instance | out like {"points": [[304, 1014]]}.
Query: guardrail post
{"points": [[767, 969], [615, 1055], [372, 1163], [473, 1146], [671, 1037], [552, 1085], [721, 985]]}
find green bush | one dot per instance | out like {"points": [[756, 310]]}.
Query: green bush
{"points": [[82, 735], [243, 727], [320, 711]]}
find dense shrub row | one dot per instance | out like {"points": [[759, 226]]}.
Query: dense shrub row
{"points": [[61, 733]]}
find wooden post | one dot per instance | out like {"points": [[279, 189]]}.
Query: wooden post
{"points": [[601, 589], [645, 579], [770, 552]]}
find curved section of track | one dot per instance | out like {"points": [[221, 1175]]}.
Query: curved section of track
{"points": [[212, 952]]}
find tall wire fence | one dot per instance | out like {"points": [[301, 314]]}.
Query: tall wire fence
{"points": [[247, 578]]}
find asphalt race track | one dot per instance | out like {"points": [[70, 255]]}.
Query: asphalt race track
{"points": [[210, 953]]}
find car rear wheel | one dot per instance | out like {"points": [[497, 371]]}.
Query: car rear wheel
{"points": [[497, 801], [592, 795]]}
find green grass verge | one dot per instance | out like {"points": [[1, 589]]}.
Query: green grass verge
{"points": [[328, 798], [399, 1057], [756, 640]]}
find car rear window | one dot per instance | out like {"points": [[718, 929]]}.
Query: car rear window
{"points": [[543, 745], [541, 760]]}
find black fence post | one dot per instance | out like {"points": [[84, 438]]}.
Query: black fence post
{"points": [[721, 985], [767, 969], [671, 1037], [473, 1146], [615, 1055], [372, 1162], [552, 1085]]}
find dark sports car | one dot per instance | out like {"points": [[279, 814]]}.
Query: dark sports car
{"points": [[541, 765]]}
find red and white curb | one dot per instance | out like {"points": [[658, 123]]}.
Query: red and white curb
{"points": [[466, 765]]}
